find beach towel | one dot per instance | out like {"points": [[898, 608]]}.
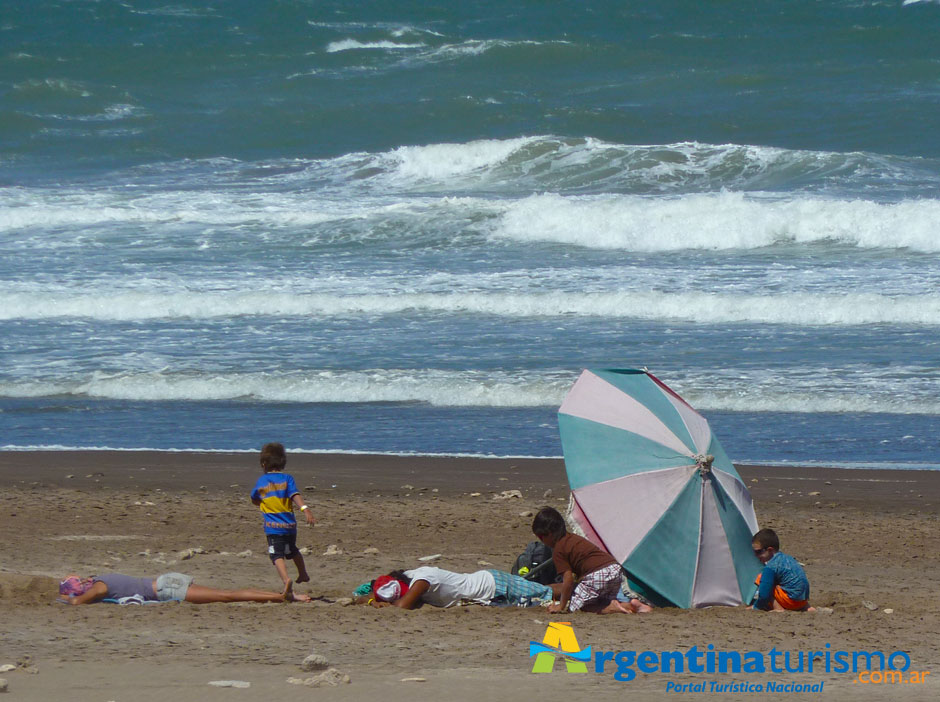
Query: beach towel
{"points": [[130, 600]]}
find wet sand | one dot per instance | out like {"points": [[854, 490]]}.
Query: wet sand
{"points": [[865, 536]]}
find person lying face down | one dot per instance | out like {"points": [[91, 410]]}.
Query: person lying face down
{"points": [[444, 588], [167, 587]]}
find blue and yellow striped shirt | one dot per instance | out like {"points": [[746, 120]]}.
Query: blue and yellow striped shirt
{"points": [[274, 490]]}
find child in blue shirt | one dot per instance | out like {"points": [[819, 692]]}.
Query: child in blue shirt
{"points": [[782, 584], [276, 493]]}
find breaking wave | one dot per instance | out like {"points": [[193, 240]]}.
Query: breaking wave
{"points": [[706, 308], [442, 388], [573, 192], [473, 389], [721, 221]]}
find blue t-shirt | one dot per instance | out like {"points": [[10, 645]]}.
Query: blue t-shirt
{"points": [[274, 490], [785, 571]]}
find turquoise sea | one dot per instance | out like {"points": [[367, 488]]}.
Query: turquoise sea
{"points": [[397, 227]]}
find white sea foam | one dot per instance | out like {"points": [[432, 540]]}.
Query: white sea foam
{"points": [[290, 449], [353, 44], [780, 400], [21, 208], [53, 85], [720, 221], [203, 213], [476, 47], [421, 53], [434, 387], [831, 392], [472, 47], [111, 113], [396, 29], [483, 456], [176, 11], [373, 187], [550, 163], [803, 309], [442, 161]]}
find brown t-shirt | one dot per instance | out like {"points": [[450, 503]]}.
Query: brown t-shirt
{"points": [[580, 556]]}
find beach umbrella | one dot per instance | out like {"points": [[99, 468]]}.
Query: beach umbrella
{"points": [[651, 484]]}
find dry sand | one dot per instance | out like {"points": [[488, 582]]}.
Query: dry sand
{"points": [[863, 535]]}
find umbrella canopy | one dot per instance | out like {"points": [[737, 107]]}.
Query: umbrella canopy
{"points": [[652, 485]]}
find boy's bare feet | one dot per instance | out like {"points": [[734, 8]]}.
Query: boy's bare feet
{"points": [[302, 578], [289, 592], [639, 607], [612, 607]]}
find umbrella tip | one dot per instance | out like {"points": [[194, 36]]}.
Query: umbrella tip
{"points": [[704, 464]]}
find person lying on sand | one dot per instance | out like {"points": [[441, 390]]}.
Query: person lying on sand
{"points": [[444, 588], [165, 588]]}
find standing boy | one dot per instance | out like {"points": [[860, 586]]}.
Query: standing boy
{"points": [[782, 584], [276, 494], [598, 573]]}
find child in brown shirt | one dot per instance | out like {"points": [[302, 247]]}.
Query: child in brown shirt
{"points": [[598, 573]]}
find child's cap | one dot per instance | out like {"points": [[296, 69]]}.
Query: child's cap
{"points": [[73, 585], [388, 589]]}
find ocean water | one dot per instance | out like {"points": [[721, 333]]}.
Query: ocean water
{"points": [[401, 228]]}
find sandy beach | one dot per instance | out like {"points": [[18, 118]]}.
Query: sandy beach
{"points": [[865, 537]]}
